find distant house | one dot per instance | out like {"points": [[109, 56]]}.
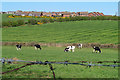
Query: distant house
{"points": [[35, 14], [95, 14], [66, 15], [54, 14], [90, 14], [102, 14], [21, 14], [73, 14], [18, 11], [24, 14], [82, 13], [47, 14], [2, 12], [60, 14], [11, 12], [30, 14]]}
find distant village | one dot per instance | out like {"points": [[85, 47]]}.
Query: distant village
{"points": [[54, 14]]}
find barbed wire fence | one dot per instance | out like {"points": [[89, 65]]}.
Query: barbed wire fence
{"points": [[83, 63]]}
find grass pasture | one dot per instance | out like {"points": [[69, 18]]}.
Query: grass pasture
{"points": [[61, 71], [103, 32]]}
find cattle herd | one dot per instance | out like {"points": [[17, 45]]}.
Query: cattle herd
{"points": [[67, 49], [37, 47]]}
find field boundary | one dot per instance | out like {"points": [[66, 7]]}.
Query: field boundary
{"points": [[86, 45], [89, 64]]}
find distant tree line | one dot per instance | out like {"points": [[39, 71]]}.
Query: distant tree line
{"points": [[50, 20]]}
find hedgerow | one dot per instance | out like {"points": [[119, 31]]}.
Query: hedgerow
{"points": [[56, 19]]}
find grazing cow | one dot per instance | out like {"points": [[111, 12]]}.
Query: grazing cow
{"points": [[37, 46], [18, 47], [96, 49], [66, 49], [70, 48], [79, 46]]}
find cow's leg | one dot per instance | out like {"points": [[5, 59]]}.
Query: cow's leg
{"points": [[35, 48], [16, 48], [98, 51], [93, 50], [72, 50], [80, 47], [40, 48], [68, 49]]}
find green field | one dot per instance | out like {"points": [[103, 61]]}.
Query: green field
{"points": [[95, 31], [103, 32], [61, 71]]}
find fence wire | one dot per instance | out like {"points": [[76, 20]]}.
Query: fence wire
{"points": [[83, 63]]}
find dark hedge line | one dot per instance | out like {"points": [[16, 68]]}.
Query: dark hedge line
{"points": [[13, 23]]}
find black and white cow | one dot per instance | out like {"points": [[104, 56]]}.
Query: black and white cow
{"points": [[79, 46], [70, 48], [96, 49], [37, 46], [66, 49], [18, 47]]}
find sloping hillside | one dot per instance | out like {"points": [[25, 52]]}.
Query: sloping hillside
{"points": [[65, 32]]}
